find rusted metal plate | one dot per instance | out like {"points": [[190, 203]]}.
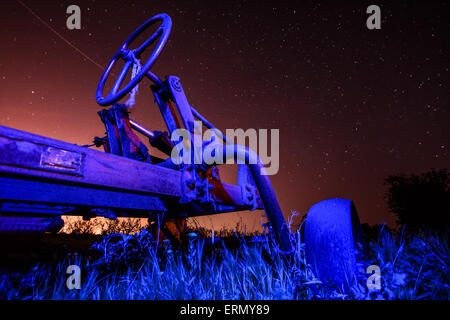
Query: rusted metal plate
{"points": [[27, 154], [54, 159]]}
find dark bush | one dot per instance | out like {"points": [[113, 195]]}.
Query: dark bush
{"points": [[420, 201]]}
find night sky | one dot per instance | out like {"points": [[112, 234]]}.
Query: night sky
{"points": [[353, 105]]}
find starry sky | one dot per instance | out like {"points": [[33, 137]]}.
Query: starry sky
{"points": [[352, 105]]}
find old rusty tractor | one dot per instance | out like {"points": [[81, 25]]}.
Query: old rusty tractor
{"points": [[42, 179]]}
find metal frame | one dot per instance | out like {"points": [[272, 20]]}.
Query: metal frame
{"points": [[40, 170], [43, 176]]}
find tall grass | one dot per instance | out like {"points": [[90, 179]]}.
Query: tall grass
{"points": [[134, 267]]}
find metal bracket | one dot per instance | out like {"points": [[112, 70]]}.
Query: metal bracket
{"points": [[188, 184], [196, 187], [203, 190], [250, 194], [121, 139], [104, 212], [181, 102]]}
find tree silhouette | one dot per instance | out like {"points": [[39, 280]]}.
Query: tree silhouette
{"points": [[420, 201]]}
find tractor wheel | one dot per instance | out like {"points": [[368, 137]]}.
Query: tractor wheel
{"points": [[332, 234]]}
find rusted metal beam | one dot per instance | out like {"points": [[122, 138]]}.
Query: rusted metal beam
{"points": [[43, 170]]}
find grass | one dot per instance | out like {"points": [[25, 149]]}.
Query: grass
{"points": [[234, 266]]}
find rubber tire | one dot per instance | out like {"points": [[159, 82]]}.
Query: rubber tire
{"points": [[332, 233]]}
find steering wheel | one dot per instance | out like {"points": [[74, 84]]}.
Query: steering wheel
{"points": [[130, 57]]}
